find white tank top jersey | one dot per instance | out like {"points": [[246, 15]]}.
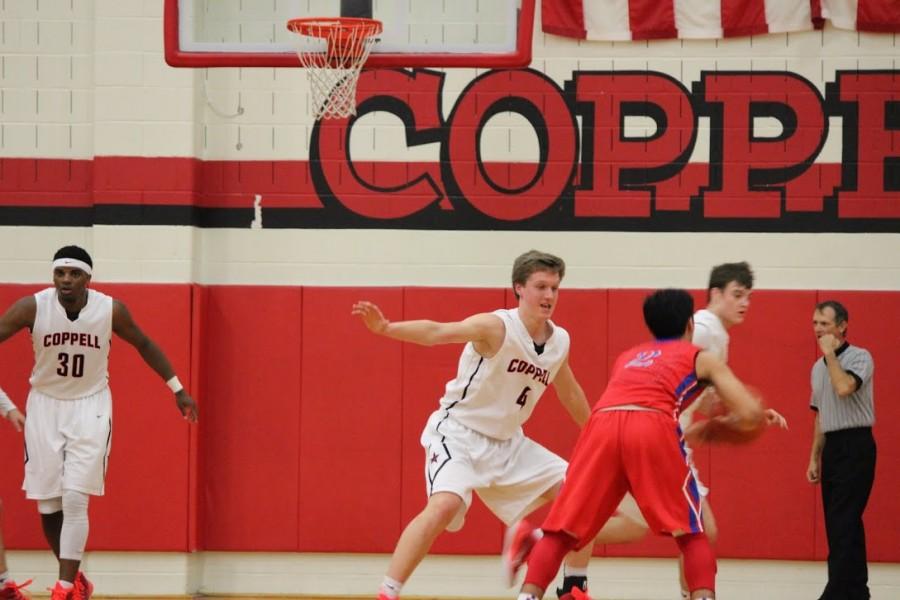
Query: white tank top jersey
{"points": [[710, 334], [71, 357], [494, 396]]}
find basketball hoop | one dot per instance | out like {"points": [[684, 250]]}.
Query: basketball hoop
{"points": [[334, 71]]}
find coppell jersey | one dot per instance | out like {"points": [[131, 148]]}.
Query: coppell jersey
{"points": [[494, 396], [71, 357], [710, 334]]}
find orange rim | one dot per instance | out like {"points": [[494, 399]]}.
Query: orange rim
{"points": [[330, 27]]}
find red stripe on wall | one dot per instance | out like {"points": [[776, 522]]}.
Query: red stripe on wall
{"points": [[167, 181]]}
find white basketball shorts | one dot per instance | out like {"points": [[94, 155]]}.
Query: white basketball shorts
{"points": [[510, 476], [67, 444]]}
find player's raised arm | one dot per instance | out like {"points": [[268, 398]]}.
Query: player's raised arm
{"points": [[485, 330], [743, 409], [571, 395], [125, 327]]}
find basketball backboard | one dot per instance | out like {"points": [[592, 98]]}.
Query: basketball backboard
{"points": [[417, 33]]}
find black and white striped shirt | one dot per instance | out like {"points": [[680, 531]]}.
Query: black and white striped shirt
{"points": [[855, 410]]}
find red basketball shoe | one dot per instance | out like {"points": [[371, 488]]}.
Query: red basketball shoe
{"points": [[83, 588], [13, 591], [517, 545], [58, 592]]}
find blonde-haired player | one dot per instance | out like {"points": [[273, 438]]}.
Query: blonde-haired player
{"points": [[474, 440]]}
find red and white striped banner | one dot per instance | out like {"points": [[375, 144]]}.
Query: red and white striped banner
{"points": [[615, 20]]}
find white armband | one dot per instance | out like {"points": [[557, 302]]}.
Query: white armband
{"points": [[174, 384], [6, 404]]}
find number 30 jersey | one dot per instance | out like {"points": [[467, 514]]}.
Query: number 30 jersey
{"points": [[494, 396], [71, 357]]}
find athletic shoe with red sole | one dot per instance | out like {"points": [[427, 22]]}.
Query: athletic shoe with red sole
{"points": [[58, 592], [517, 544], [83, 588], [13, 591], [576, 594]]}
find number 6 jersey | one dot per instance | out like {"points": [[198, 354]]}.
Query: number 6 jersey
{"points": [[71, 357], [494, 396]]}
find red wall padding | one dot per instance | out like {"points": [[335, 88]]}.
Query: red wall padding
{"points": [[773, 350], [309, 432], [21, 525], [350, 425], [250, 418]]}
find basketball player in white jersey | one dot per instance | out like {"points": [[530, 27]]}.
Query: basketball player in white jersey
{"points": [[9, 589], [728, 300], [69, 424], [474, 440]]}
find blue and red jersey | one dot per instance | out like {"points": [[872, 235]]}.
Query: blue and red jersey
{"points": [[659, 375]]}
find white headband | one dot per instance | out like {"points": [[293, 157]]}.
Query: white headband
{"points": [[72, 262]]}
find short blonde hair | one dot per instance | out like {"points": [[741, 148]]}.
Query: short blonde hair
{"points": [[532, 261]]}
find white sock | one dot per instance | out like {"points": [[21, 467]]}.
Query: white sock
{"points": [[66, 585], [524, 596], [3, 577], [574, 572], [390, 587]]}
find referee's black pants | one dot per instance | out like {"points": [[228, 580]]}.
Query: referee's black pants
{"points": [[848, 471]]}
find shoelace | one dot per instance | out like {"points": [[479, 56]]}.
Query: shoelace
{"points": [[16, 586]]}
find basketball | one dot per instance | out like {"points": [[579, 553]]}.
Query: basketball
{"points": [[723, 430], [721, 427]]}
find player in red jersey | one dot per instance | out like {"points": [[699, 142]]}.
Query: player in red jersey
{"points": [[633, 443]]}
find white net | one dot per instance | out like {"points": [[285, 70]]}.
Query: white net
{"points": [[333, 70]]}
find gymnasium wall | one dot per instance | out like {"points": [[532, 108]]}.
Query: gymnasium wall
{"points": [[239, 243], [308, 439]]}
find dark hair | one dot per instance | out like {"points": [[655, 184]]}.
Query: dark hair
{"points": [[667, 312], [722, 275], [74, 252], [840, 313], [535, 260]]}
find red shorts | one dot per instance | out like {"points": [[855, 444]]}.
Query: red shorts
{"points": [[620, 451]]}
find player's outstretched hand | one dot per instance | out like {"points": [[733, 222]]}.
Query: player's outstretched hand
{"points": [[16, 418], [186, 406], [371, 316], [773, 417]]}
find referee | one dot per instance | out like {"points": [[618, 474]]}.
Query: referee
{"points": [[843, 449]]}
